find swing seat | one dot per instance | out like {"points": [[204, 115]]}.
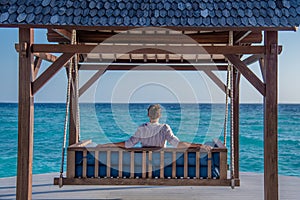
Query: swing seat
{"points": [[94, 165]]}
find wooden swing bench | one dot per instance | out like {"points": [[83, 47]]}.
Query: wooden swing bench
{"points": [[89, 164]]}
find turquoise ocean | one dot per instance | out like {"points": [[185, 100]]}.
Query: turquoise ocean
{"points": [[104, 123]]}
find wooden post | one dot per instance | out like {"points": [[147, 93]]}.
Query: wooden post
{"points": [[25, 116], [236, 110], [271, 117]]}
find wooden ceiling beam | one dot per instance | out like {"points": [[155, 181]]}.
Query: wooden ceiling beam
{"points": [[151, 49], [151, 60], [66, 34], [240, 36], [149, 67], [201, 38]]}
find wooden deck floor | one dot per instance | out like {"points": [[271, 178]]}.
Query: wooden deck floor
{"points": [[251, 188]]}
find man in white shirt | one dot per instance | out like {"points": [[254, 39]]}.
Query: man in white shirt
{"points": [[154, 134]]}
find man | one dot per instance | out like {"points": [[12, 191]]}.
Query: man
{"points": [[154, 134]]}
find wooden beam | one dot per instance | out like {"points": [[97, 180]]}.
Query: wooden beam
{"points": [[151, 49], [64, 33], [271, 117], [247, 73], [146, 67], [37, 66], [148, 181], [46, 56], [216, 80], [25, 116], [240, 36], [262, 68], [50, 72], [252, 59], [160, 38], [90, 82]]}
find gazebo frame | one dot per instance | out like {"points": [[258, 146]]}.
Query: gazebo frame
{"points": [[31, 56]]}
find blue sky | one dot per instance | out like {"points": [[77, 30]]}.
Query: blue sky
{"points": [[186, 87]]}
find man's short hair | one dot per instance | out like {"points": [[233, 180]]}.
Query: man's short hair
{"points": [[154, 111]]}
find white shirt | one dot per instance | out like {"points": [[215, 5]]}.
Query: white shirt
{"points": [[153, 135]]}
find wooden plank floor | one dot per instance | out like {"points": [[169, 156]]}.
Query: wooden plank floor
{"points": [[251, 188]]}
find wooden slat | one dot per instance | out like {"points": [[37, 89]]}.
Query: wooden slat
{"points": [[247, 73], [84, 164], [25, 116], [96, 164], [121, 49], [223, 165], [120, 164], [144, 165], [50, 72], [271, 117], [162, 164], [71, 164], [198, 164], [132, 164], [174, 164], [108, 163], [185, 169], [209, 175], [150, 165]]}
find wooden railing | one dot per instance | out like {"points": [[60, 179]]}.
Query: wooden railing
{"points": [[92, 164]]}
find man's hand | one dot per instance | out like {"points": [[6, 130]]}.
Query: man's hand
{"points": [[201, 146], [108, 145]]}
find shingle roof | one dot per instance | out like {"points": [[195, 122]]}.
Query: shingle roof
{"points": [[187, 13]]}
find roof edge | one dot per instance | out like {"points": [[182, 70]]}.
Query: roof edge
{"points": [[123, 28]]}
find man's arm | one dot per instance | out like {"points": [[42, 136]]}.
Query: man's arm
{"points": [[113, 145], [188, 144]]}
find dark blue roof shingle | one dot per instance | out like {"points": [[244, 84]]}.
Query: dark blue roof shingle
{"points": [[185, 13]]}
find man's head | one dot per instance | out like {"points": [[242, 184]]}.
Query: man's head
{"points": [[154, 111]]}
